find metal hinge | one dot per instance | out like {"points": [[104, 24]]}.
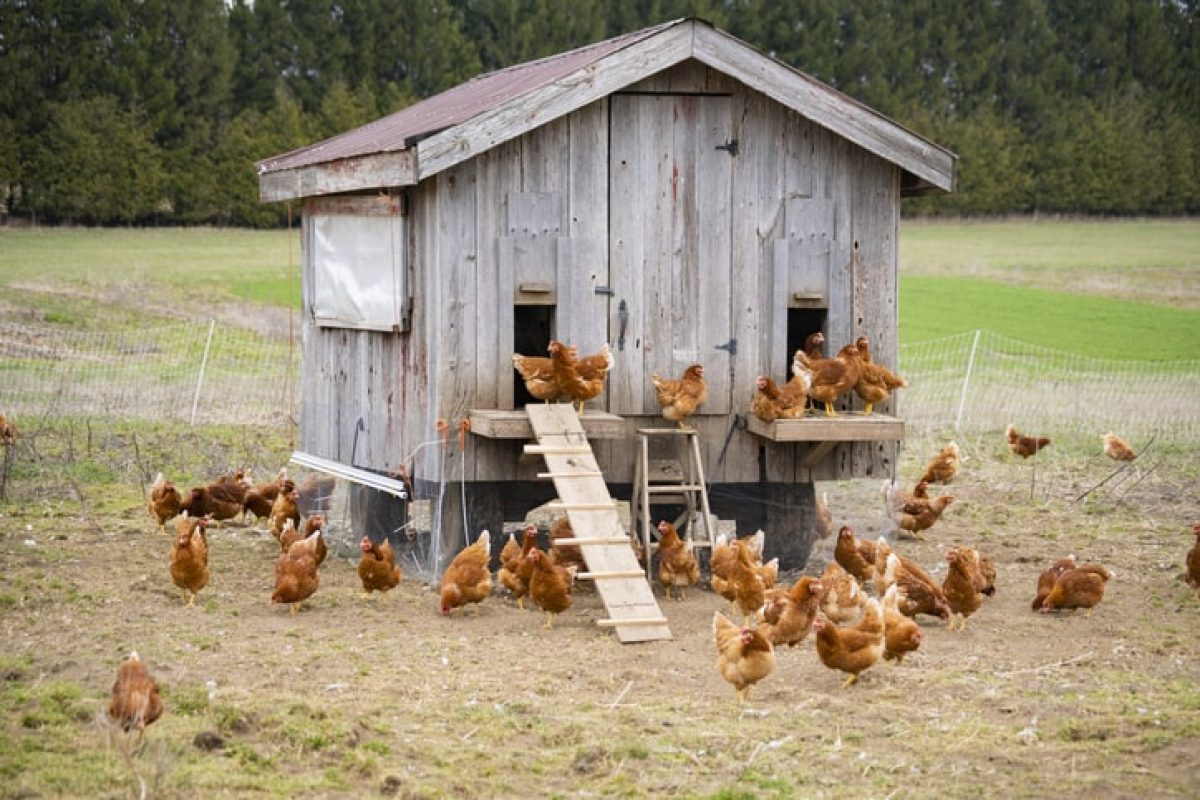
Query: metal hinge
{"points": [[731, 146]]}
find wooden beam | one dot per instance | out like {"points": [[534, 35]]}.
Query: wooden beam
{"points": [[817, 452], [593, 540], [363, 173], [593, 576], [615, 623]]}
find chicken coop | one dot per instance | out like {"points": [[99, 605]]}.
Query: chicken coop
{"points": [[672, 192]]}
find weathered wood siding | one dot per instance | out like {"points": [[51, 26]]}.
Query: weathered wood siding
{"points": [[352, 374], [808, 213]]}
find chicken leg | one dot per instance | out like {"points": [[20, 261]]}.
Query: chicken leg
{"points": [[549, 621], [852, 679], [867, 410], [829, 412]]}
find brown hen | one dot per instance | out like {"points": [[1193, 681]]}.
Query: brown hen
{"points": [[744, 655], [467, 579], [189, 556], [680, 398], [1025, 446], [875, 381], [135, 700], [852, 649], [377, 570]]}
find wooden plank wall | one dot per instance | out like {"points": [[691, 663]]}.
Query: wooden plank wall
{"points": [[800, 197], [349, 374]]}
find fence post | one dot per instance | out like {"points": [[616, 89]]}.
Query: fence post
{"points": [[212, 324], [962, 398]]}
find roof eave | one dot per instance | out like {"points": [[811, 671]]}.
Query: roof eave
{"points": [[826, 107], [544, 104], [926, 167], [361, 173]]}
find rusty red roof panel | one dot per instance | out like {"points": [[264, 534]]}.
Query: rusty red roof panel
{"points": [[398, 131]]}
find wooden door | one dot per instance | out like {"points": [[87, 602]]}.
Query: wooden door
{"points": [[669, 245]]}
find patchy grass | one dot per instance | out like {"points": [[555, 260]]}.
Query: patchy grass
{"points": [[353, 697]]}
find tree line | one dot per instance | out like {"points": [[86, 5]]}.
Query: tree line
{"points": [[154, 112]]}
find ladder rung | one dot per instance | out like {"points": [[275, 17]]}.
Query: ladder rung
{"points": [[582, 506], [557, 475], [592, 576], [592, 540], [664, 431], [557, 450], [613, 623], [674, 488]]}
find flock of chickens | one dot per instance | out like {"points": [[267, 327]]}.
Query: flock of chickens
{"points": [[302, 546], [564, 375], [825, 380], [854, 629]]}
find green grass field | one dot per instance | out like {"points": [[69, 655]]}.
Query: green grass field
{"points": [[1109, 289], [1089, 325], [203, 264]]}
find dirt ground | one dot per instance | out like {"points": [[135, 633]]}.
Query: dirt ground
{"points": [[355, 697]]}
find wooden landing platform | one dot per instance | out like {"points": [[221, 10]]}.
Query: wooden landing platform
{"points": [[496, 424], [846, 427], [824, 433]]}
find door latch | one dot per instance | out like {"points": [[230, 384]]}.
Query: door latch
{"points": [[730, 146]]}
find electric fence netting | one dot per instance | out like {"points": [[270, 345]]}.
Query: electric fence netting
{"points": [[980, 381], [201, 372], [969, 384]]}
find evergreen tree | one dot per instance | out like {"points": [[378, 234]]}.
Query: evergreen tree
{"points": [[96, 163]]}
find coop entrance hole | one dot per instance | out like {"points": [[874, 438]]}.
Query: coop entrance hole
{"points": [[532, 330], [802, 322]]}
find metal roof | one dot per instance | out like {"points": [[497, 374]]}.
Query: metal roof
{"points": [[400, 130], [436, 133]]}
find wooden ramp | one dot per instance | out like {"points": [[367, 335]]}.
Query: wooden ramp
{"points": [[632, 609]]}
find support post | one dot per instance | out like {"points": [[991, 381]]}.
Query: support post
{"points": [[962, 398], [212, 324]]}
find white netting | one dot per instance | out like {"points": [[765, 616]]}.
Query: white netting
{"points": [[971, 384], [981, 381], [206, 372], [201, 372]]}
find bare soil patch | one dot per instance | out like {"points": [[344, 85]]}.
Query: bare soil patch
{"points": [[355, 697]]}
